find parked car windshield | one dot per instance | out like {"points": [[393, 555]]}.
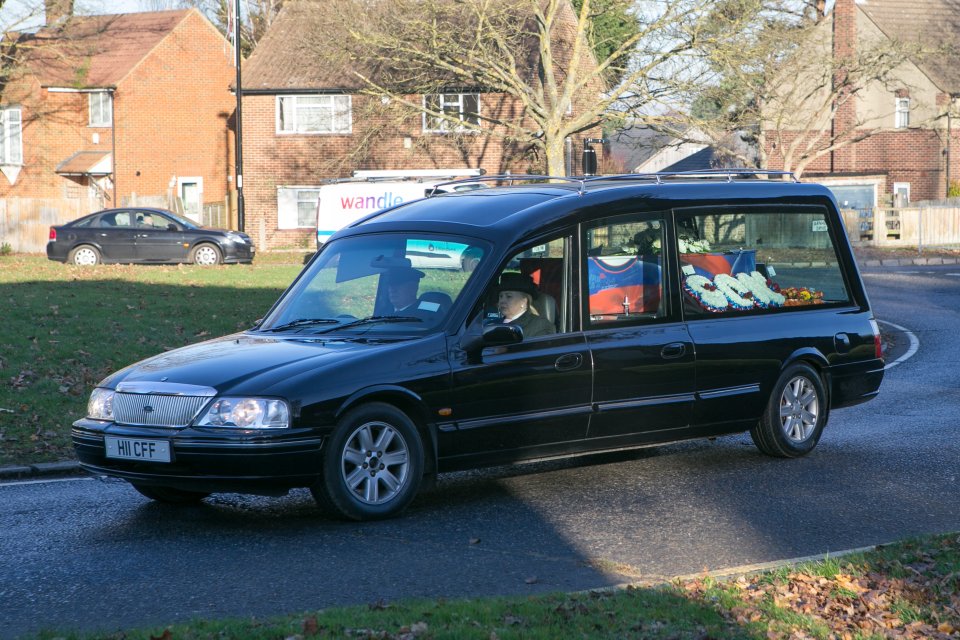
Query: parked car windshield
{"points": [[385, 283]]}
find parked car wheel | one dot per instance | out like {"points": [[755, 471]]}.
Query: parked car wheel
{"points": [[795, 415], [206, 255], [84, 256], [169, 495], [373, 464]]}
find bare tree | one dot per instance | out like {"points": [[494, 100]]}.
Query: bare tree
{"points": [[540, 53], [780, 87]]}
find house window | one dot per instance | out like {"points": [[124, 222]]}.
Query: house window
{"points": [[314, 114], [297, 207], [902, 115], [11, 136], [460, 109], [101, 109]]}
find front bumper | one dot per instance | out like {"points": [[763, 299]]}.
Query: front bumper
{"points": [[207, 460], [239, 253]]}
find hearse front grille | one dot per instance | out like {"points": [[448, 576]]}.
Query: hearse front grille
{"points": [[159, 404]]}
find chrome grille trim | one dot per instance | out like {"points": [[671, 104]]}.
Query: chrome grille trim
{"points": [[166, 410], [166, 388]]}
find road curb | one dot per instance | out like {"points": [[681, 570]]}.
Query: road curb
{"points": [[40, 470], [732, 573], [909, 262]]}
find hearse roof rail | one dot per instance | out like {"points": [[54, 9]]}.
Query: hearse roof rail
{"points": [[727, 175]]}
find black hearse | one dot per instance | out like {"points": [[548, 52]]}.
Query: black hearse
{"points": [[669, 307]]}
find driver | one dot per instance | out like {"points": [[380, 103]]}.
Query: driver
{"points": [[403, 284]]}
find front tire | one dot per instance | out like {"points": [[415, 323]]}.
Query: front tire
{"points": [[795, 415], [206, 255], [372, 464], [170, 495], [84, 256]]}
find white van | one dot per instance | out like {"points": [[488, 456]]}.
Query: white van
{"points": [[341, 203]]}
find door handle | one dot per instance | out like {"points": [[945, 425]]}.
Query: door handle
{"points": [[568, 362], [673, 350]]}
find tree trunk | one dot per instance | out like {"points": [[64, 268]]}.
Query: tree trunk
{"points": [[553, 147]]}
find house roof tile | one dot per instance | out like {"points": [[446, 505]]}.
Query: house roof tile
{"points": [[96, 51], [933, 23], [283, 59]]}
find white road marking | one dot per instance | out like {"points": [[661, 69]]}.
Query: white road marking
{"points": [[911, 351], [16, 483]]}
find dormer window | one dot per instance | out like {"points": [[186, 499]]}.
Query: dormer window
{"points": [[101, 108]]}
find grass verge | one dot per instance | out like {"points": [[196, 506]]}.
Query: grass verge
{"points": [[67, 327], [905, 590]]}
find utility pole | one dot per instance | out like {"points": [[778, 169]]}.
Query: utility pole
{"points": [[239, 115]]}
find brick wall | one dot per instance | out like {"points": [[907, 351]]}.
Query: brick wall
{"points": [[172, 114]]}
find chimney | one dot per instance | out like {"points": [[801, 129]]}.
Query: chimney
{"points": [[57, 10], [844, 50]]}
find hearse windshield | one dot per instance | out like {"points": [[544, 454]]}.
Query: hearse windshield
{"points": [[386, 283]]}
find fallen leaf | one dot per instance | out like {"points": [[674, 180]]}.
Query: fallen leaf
{"points": [[310, 626], [418, 628]]}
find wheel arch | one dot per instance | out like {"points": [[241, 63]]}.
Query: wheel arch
{"points": [[410, 404]]}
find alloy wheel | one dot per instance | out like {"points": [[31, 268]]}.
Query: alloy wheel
{"points": [[375, 462], [799, 409]]}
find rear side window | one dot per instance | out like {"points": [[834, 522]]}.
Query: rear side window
{"points": [[753, 262], [624, 268]]}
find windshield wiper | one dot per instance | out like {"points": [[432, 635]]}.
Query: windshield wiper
{"points": [[373, 320], [302, 322]]}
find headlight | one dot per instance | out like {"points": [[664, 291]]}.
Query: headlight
{"points": [[246, 413], [236, 237], [100, 406]]}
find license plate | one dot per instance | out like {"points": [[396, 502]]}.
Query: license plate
{"points": [[137, 449]]}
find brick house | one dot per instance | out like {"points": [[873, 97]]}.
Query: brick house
{"points": [[109, 108], [914, 155], [306, 123]]}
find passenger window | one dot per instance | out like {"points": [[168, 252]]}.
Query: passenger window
{"points": [[532, 290], [624, 266], [758, 261]]}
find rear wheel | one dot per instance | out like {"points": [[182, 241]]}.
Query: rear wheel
{"points": [[169, 495], [206, 255], [372, 464], [84, 256], [795, 415]]}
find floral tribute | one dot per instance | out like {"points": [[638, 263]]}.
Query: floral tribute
{"points": [[726, 292], [796, 296]]}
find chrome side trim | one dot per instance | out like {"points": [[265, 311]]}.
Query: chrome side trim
{"points": [[645, 402], [730, 391], [524, 417]]}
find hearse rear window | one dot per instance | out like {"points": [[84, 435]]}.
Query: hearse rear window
{"points": [[755, 261]]}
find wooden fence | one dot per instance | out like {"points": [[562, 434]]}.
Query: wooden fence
{"points": [[25, 222], [904, 227]]}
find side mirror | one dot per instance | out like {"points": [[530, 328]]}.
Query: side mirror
{"points": [[496, 335], [172, 227]]}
